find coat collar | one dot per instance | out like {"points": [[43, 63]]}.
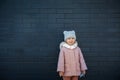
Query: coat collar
{"points": [[64, 44]]}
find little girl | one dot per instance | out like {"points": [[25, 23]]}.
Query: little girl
{"points": [[71, 63]]}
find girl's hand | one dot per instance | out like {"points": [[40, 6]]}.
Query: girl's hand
{"points": [[84, 72], [61, 73]]}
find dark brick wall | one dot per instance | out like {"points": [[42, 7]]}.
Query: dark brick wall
{"points": [[31, 30]]}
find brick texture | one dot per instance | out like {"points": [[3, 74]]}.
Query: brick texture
{"points": [[31, 30]]}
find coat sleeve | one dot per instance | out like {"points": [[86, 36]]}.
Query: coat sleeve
{"points": [[82, 61], [60, 66]]}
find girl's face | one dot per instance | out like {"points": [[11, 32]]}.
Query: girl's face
{"points": [[70, 41]]}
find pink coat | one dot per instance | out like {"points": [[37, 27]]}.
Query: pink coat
{"points": [[71, 61]]}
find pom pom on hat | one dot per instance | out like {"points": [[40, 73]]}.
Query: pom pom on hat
{"points": [[69, 34]]}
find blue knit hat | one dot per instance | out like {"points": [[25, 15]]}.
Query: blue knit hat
{"points": [[68, 34]]}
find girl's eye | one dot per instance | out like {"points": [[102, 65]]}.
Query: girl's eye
{"points": [[69, 38], [72, 38]]}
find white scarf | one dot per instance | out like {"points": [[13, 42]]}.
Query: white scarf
{"points": [[64, 44]]}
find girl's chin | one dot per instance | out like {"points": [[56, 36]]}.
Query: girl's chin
{"points": [[71, 43]]}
